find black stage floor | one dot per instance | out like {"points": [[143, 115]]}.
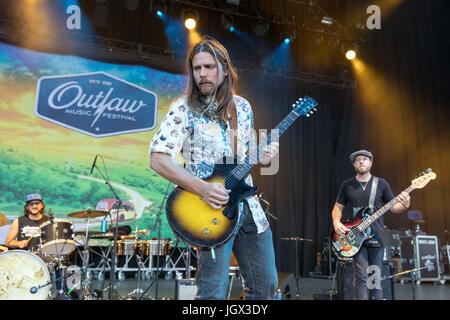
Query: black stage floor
{"points": [[309, 289]]}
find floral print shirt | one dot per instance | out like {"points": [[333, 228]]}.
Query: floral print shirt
{"points": [[203, 141]]}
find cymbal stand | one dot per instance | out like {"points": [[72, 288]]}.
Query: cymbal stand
{"points": [[85, 292], [137, 254]]}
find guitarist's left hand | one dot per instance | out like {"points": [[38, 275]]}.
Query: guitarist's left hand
{"points": [[269, 152], [404, 201]]}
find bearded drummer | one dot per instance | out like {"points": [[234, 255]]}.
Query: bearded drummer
{"points": [[25, 232]]}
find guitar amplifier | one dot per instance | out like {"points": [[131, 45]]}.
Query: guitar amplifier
{"points": [[427, 255]]}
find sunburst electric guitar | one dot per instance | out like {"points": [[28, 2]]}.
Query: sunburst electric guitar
{"points": [[348, 245], [198, 224]]}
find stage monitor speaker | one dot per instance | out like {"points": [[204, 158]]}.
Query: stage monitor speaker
{"points": [[345, 282], [185, 289], [388, 284], [287, 285]]}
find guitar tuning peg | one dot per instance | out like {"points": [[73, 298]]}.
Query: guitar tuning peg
{"points": [[314, 109], [307, 115]]}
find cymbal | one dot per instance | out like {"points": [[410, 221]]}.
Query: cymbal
{"points": [[88, 213]]}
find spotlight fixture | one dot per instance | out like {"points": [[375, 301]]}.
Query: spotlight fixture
{"points": [[350, 50], [289, 36], [160, 8], [190, 18], [228, 22], [327, 21]]}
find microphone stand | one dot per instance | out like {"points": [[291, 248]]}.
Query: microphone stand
{"points": [[158, 223], [297, 269], [112, 292], [414, 278]]}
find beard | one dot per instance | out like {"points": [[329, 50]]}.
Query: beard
{"points": [[363, 170], [206, 88]]}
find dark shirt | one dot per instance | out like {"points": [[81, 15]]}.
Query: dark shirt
{"points": [[28, 227], [353, 196]]}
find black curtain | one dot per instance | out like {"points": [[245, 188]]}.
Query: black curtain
{"points": [[399, 111]]}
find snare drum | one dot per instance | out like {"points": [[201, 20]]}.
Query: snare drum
{"points": [[57, 237], [22, 272]]}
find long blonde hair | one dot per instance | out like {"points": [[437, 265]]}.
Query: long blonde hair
{"points": [[224, 93]]}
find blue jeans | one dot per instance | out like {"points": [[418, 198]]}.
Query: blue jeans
{"points": [[256, 258], [363, 259]]}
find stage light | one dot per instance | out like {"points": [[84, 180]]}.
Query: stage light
{"points": [[350, 54], [228, 23], [349, 50], [289, 36], [190, 18], [159, 13], [327, 21], [190, 23]]}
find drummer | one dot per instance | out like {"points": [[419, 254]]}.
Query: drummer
{"points": [[25, 231]]}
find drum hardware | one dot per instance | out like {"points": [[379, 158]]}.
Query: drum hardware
{"points": [[157, 224], [59, 276], [86, 292], [138, 291], [158, 272]]}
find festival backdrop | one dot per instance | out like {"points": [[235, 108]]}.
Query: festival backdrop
{"points": [[58, 112]]}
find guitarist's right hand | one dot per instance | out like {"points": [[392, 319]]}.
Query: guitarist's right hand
{"points": [[339, 228], [215, 195]]}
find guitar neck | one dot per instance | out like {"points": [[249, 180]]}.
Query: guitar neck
{"points": [[242, 170], [372, 218]]}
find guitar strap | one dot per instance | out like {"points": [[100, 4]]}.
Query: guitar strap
{"points": [[232, 117], [373, 191]]}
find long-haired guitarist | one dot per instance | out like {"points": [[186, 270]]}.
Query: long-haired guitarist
{"points": [[356, 193], [199, 125]]}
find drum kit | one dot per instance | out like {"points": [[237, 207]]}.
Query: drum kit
{"points": [[44, 274]]}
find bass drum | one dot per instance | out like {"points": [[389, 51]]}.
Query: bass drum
{"points": [[21, 273]]}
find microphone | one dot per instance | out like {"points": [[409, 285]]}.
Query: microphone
{"points": [[51, 217], [33, 290], [93, 163]]}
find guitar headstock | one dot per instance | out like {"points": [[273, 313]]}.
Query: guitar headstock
{"points": [[423, 179], [305, 106]]}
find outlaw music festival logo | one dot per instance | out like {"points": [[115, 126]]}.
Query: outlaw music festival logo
{"points": [[96, 104]]}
